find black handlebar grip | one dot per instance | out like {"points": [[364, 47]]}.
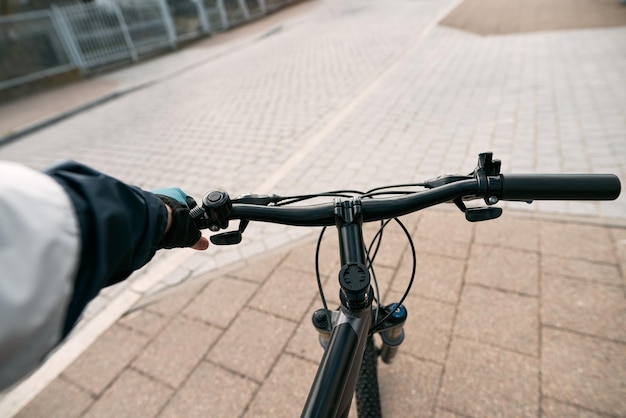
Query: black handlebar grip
{"points": [[560, 187]]}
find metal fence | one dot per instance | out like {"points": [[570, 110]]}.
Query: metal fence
{"points": [[88, 36], [30, 48]]}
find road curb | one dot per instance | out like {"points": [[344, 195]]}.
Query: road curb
{"points": [[43, 123]]}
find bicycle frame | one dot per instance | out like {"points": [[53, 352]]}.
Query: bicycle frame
{"points": [[335, 382]]}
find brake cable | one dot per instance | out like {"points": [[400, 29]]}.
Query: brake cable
{"points": [[413, 270]]}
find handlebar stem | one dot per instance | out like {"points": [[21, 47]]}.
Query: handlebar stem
{"points": [[354, 277]]}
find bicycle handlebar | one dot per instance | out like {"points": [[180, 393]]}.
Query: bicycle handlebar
{"points": [[372, 210], [485, 182], [503, 187]]}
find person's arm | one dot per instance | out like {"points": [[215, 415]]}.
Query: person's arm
{"points": [[120, 230], [64, 235]]}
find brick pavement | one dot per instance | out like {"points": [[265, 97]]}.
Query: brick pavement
{"points": [[405, 100], [514, 317]]}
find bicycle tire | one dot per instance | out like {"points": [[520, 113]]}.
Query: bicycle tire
{"points": [[367, 392]]}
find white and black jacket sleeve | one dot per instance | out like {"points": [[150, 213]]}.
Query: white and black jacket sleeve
{"points": [[64, 235]]}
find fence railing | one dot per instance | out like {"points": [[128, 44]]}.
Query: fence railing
{"points": [[88, 36]]}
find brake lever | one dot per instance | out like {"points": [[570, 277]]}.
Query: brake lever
{"points": [[235, 237], [231, 237], [487, 167]]}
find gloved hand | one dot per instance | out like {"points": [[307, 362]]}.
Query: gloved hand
{"points": [[181, 231]]}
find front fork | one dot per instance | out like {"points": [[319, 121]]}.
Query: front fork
{"points": [[391, 330]]}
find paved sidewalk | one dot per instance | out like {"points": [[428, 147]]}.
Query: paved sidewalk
{"points": [[513, 317]]}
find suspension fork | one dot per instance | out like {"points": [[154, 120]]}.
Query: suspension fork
{"points": [[333, 388]]}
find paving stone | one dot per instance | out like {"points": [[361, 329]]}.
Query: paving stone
{"points": [[619, 237], [176, 299], [551, 408], [442, 247], [144, 322], [285, 390], [305, 341], [444, 225], [252, 343], [428, 327], [584, 242], [588, 308], [220, 301], [385, 277], [200, 264], [507, 320], [583, 371], [392, 246], [443, 233], [60, 399], [571, 267], [411, 221], [224, 258], [96, 368], [287, 293], [436, 277], [211, 391], [259, 270], [408, 386], [302, 258], [176, 351], [509, 231], [146, 398], [440, 413], [503, 268], [252, 249], [329, 258], [283, 238], [481, 380], [176, 277]]}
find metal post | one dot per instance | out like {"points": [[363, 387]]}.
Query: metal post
{"points": [[168, 22], [222, 10], [263, 7], [68, 38], [244, 8], [204, 21], [125, 32]]}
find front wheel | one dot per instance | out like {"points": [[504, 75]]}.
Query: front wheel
{"points": [[367, 395]]}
